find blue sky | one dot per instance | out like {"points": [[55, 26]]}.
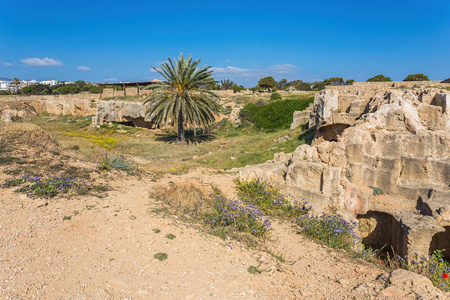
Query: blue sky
{"points": [[100, 41]]}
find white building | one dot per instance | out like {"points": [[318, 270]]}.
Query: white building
{"points": [[49, 82], [4, 85]]}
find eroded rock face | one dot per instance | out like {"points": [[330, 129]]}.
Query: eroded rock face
{"points": [[74, 107], [121, 112], [381, 155]]}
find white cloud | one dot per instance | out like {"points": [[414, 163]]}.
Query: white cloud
{"points": [[285, 69], [230, 70], [228, 60], [84, 68], [44, 62], [6, 63], [110, 79], [253, 74]]}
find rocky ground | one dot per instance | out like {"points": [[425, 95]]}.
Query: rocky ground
{"points": [[106, 251]]}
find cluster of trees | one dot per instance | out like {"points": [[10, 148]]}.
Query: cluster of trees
{"points": [[269, 84], [224, 84], [61, 89], [410, 77]]}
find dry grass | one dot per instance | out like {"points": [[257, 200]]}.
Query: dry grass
{"points": [[183, 196], [32, 135]]}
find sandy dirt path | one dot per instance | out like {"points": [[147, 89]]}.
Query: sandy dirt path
{"points": [[106, 249]]}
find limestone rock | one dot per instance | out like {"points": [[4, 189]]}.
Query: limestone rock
{"points": [[408, 284], [381, 154], [121, 112]]}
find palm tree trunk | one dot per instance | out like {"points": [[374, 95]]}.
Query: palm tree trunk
{"points": [[181, 139]]}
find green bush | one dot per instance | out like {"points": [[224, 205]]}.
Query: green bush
{"points": [[275, 115], [275, 96], [416, 77], [379, 78], [117, 162]]}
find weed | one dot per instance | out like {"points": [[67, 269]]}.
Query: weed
{"points": [[170, 236], [12, 172], [160, 256], [376, 190], [67, 218], [156, 230], [254, 270], [132, 217], [279, 257]]}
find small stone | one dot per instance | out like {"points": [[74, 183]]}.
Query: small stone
{"points": [[41, 203]]}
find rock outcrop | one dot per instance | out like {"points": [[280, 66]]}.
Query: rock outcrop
{"points": [[121, 112], [380, 155], [74, 107], [302, 117]]}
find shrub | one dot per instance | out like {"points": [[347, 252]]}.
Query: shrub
{"points": [[349, 81], [379, 78], [274, 115], [275, 96], [331, 229], [117, 162], [416, 77], [334, 81]]}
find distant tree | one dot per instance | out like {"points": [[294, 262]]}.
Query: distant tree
{"points": [[28, 90], [237, 88], [16, 81], [267, 83], [379, 78], [446, 80], [80, 83], [180, 100], [334, 81], [300, 85], [226, 84], [416, 77], [349, 81], [282, 84], [318, 85]]}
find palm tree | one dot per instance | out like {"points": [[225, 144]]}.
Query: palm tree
{"points": [[226, 84], [181, 100]]}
